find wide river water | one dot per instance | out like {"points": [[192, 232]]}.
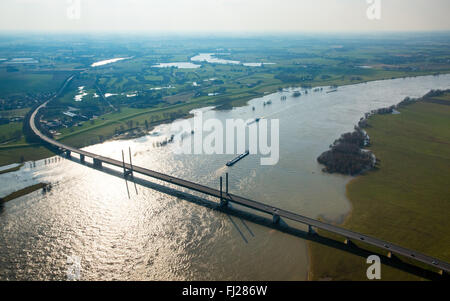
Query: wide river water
{"points": [[154, 236]]}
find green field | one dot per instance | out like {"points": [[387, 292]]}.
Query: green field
{"points": [[21, 153], [407, 200], [17, 82], [11, 132]]}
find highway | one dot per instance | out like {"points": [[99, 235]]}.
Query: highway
{"points": [[273, 211]]}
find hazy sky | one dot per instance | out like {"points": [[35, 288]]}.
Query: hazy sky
{"points": [[222, 15]]}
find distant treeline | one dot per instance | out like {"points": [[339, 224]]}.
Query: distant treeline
{"points": [[291, 78]]}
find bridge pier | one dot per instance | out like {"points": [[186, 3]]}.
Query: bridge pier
{"points": [[82, 159], [311, 230], [276, 219], [97, 163], [68, 153], [349, 243], [392, 256]]}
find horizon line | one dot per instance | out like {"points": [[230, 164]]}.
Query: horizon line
{"points": [[222, 33]]}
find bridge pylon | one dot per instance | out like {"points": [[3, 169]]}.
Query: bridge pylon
{"points": [[224, 201], [128, 172]]}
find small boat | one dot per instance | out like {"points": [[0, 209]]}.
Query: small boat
{"points": [[238, 158], [256, 120]]}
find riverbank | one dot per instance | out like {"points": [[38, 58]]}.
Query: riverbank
{"points": [[406, 200]]}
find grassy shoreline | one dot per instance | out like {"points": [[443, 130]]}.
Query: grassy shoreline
{"points": [[11, 169], [22, 192], [406, 201]]}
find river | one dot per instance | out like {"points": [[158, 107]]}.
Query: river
{"points": [[154, 236]]}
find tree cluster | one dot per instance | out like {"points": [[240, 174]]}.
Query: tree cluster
{"points": [[346, 156]]}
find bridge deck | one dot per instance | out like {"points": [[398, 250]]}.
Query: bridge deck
{"points": [[433, 262]]}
